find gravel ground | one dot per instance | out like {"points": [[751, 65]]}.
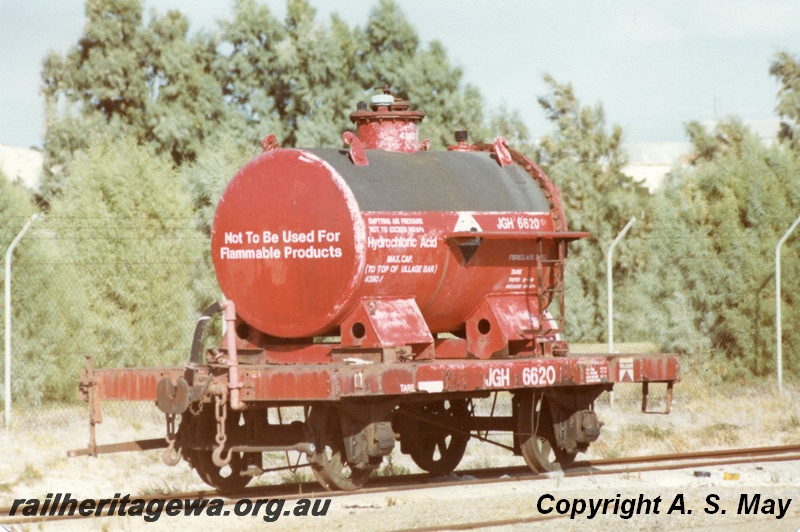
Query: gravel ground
{"points": [[689, 497]]}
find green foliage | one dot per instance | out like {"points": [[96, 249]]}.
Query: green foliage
{"points": [[580, 133], [392, 54], [697, 270], [585, 161], [508, 124], [710, 277], [126, 220], [786, 69], [205, 180], [44, 322], [151, 82], [728, 135], [111, 271], [298, 79], [16, 206], [249, 74]]}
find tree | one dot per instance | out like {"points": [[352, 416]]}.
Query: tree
{"points": [[585, 161], [45, 325], [786, 68], [392, 54], [714, 231], [508, 124], [580, 133], [205, 179], [301, 80], [729, 134], [248, 74], [185, 104], [149, 82], [127, 225], [15, 208]]}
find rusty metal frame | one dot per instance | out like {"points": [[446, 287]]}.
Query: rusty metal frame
{"points": [[88, 389], [667, 402], [303, 383]]}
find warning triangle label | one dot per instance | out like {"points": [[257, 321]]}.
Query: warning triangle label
{"points": [[466, 222]]}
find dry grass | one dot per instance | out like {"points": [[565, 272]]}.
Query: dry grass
{"points": [[756, 416]]}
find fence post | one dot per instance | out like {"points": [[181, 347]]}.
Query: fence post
{"points": [[778, 339], [610, 287], [7, 282]]}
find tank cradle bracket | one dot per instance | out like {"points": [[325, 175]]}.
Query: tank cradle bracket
{"points": [[374, 324], [667, 400]]}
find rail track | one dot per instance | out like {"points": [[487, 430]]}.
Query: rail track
{"points": [[391, 484]]}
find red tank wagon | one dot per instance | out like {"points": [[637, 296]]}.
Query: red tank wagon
{"points": [[381, 287]]}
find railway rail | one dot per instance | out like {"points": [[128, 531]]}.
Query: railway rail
{"points": [[391, 484]]}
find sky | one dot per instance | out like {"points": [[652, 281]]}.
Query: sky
{"points": [[653, 66]]}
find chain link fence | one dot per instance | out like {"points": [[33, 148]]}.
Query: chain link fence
{"points": [[140, 310], [125, 293]]}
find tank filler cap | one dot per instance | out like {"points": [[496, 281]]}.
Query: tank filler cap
{"points": [[381, 100]]}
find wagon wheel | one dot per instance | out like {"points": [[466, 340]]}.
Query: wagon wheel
{"points": [[226, 479], [330, 465], [434, 447], [538, 439]]}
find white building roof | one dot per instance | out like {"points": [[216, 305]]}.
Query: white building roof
{"points": [[650, 162], [21, 164]]}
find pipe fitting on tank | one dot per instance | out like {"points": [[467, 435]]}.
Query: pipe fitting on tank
{"points": [[462, 138]]}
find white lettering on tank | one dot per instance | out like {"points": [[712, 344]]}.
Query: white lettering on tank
{"points": [[290, 244]]}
